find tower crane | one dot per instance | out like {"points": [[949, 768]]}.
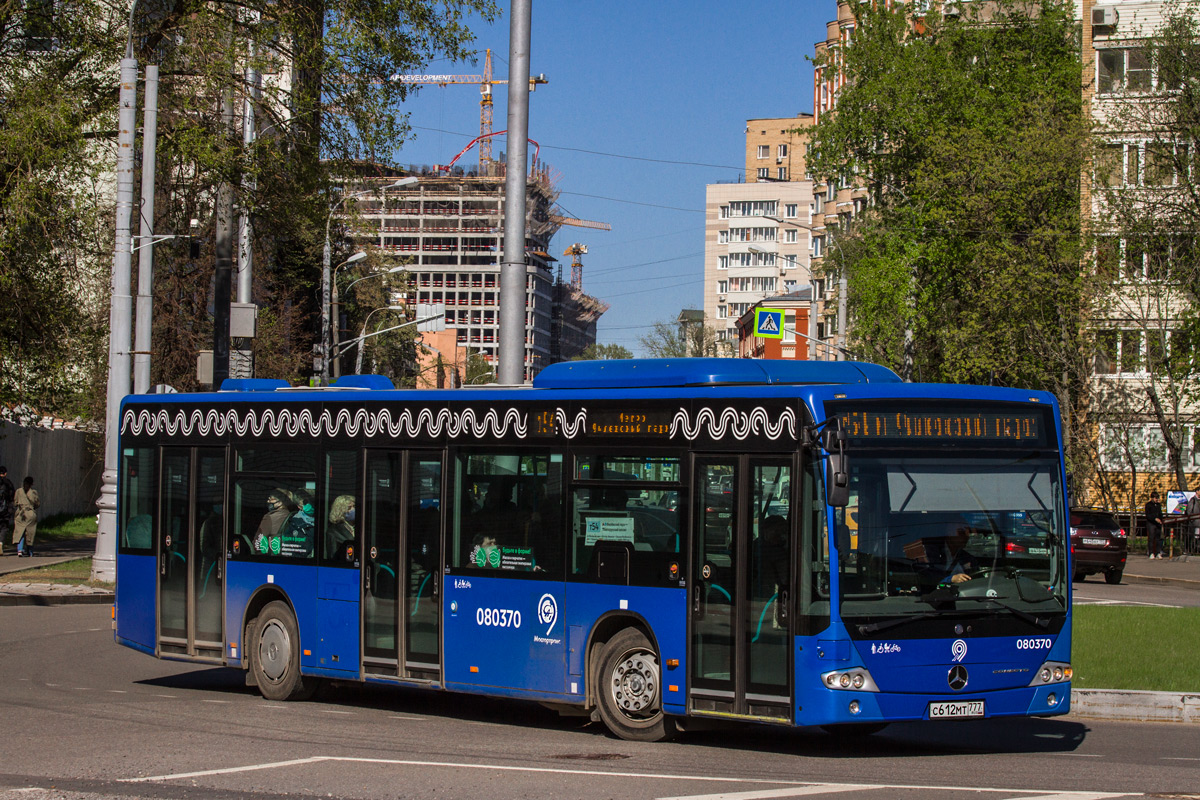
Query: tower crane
{"points": [[486, 82], [575, 251]]}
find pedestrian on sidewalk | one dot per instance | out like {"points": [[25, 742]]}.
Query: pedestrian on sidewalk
{"points": [[1154, 526], [1193, 512], [7, 493], [27, 502]]}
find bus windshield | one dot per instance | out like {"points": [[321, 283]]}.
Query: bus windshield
{"points": [[945, 534]]}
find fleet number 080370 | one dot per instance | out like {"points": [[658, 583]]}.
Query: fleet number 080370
{"points": [[1034, 644], [498, 617]]}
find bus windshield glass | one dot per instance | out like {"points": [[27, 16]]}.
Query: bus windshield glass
{"points": [[951, 532]]}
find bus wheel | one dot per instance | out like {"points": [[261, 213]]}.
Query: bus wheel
{"points": [[630, 689], [275, 655]]}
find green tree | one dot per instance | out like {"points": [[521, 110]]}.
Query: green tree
{"points": [[675, 339], [601, 352], [969, 136]]}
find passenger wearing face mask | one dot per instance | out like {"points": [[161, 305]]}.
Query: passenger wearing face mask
{"points": [[279, 508], [339, 535], [299, 535]]}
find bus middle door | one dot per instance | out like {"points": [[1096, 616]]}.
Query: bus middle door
{"points": [[741, 628]]}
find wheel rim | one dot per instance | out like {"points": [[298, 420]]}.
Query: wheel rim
{"points": [[274, 650], [634, 684]]}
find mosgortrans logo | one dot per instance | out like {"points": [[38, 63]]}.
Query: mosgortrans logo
{"points": [[548, 612]]}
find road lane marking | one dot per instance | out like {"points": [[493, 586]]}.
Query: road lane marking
{"points": [[401, 716], [791, 791], [1178, 758], [809, 786], [220, 702], [331, 711], [1081, 755], [116, 691], [172, 696]]}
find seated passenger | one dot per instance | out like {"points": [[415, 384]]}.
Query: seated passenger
{"points": [[339, 535], [952, 562], [298, 537], [279, 509]]}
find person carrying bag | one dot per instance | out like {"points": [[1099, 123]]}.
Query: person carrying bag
{"points": [[27, 503]]}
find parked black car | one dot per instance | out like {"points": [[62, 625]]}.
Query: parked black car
{"points": [[1098, 544]]}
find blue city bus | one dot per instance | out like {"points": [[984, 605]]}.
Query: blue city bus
{"points": [[644, 541]]}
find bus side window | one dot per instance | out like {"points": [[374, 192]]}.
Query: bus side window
{"points": [[139, 494], [338, 517]]}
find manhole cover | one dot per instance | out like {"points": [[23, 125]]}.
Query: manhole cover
{"points": [[594, 756]]}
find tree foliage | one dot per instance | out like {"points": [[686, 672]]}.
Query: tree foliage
{"points": [[602, 352], [325, 110], [673, 339], [969, 136]]}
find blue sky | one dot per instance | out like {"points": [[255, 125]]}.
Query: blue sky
{"points": [[646, 82]]}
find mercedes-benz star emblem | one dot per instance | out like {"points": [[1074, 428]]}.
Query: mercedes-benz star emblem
{"points": [[957, 677]]}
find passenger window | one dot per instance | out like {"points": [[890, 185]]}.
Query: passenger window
{"points": [[625, 520], [139, 493], [339, 509], [274, 505], [508, 513]]}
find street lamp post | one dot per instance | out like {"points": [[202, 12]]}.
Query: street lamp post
{"points": [[353, 259], [358, 357], [326, 270], [337, 363]]}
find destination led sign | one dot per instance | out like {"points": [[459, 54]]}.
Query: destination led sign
{"points": [[631, 422], [957, 425]]}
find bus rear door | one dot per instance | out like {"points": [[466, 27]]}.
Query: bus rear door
{"points": [[741, 627], [191, 553]]}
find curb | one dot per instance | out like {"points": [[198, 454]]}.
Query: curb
{"points": [[1136, 706], [1185, 582], [55, 599]]}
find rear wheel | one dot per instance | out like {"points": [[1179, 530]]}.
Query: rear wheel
{"points": [[1113, 576], [275, 655], [629, 689], [1079, 576]]}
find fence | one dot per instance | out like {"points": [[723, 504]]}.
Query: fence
{"points": [[66, 471]]}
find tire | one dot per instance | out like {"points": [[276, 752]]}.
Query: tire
{"points": [[854, 729], [629, 689], [1113, 576], [1079, 576], [275, 655]]}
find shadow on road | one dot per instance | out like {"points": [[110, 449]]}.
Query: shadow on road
{"points": [[906, 739]]}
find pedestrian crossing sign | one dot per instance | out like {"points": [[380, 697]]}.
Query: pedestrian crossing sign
{"points": [[768, 323]]}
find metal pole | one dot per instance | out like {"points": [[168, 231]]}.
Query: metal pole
{"points": [[326, 257], [144, 310], [119, 323], [512, 268], [842, 315], [245, 227], [812, 317], [224, 268]]}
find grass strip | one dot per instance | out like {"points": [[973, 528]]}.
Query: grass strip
{"points": [[1136, 647], [75, 573], [65, 527]]}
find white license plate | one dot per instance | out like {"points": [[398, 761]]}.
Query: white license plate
{"points": [[959, 709], [1096, 542]]}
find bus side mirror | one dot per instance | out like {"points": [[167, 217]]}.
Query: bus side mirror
{"points": [[837, 473]]}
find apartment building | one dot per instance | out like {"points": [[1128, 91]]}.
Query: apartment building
{"points": [[449, 230], [757, 238], [1137, 168]]}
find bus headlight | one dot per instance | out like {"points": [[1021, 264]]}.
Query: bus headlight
{"points": [[857, 679], [1052, 672]]}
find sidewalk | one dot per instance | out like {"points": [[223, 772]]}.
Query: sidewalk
{"points": [[1183, 570], [48, 594]]}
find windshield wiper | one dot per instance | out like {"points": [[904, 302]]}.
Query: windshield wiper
{"points": [[1016, 612], [872, 627]]}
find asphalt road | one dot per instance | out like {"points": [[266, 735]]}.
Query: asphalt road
{"points": [[83, 718]]}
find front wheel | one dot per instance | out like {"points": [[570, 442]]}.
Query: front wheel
{"points": [[629, 689], [275, 655]]}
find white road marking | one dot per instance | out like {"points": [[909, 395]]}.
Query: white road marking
{"points": [[330, 711], [798, 788], [401, 716], [218, 702], [172, 696], [83, 688], [1178, 758], [116, 691], [1080, 755], [791, 791], [1093, 601]]}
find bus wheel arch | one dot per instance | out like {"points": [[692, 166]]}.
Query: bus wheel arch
{"points": [[271, 648], [625, 683]]}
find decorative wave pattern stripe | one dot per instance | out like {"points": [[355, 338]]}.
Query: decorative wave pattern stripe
{"points": [[425, 422], [731, 421]]}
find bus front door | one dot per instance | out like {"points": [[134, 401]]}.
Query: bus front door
{"points": [[191, 566], [401, 621], [741, 639]]}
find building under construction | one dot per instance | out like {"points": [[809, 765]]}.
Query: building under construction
{"points": [[449, 228]]}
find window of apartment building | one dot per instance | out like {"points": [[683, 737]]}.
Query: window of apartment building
{"points": [[724, 213], [722, 287], [789, 285], [790, 210], [764, 151], [818, 246], [752, 208], [781, 151], [789, 327], [723, 237], [781, 173], [1144, 445], [764, 172], [721, 312], [751, 234], [1125, 69], [791, 235], [818, 205], [722, 262], [1110, 164]]}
